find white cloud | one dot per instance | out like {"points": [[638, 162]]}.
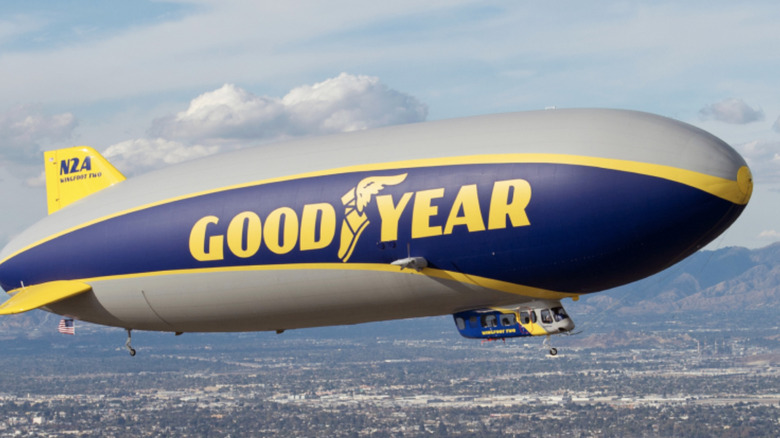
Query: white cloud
{"points": [[349, 103], [733, 110], [231, 117], [36, 181], [769, 235], [141, 154], [341, 104], [763, 157], [24, 129], [226, 113]]}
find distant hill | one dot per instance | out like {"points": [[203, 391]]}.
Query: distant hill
{"points": [[30, 325], [708, 285], [725, 280]]}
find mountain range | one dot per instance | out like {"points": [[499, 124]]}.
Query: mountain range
{"points": [[712, 282]]}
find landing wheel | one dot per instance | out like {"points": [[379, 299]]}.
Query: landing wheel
{"points": [[553, 351], [127, 343]]}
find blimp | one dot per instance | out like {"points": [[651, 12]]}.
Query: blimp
{"points": [[495, 220]]}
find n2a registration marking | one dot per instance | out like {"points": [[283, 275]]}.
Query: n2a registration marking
{"points": [[74, 165]]}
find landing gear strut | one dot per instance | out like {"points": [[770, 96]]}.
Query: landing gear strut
{"points": [[127, 343]]}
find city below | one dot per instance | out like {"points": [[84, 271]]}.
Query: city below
{"points": [[385, 379]]}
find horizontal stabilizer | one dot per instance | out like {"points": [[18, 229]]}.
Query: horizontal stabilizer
{"points": [[33, 297]]}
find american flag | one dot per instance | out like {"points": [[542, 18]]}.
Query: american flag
{"points": [[66, 326]]}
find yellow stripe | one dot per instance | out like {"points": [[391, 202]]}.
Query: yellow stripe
{"points": [[502, 286], [723, 188], [533, 327]]}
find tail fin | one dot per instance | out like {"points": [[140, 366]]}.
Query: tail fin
{"points": [[74, 173]]}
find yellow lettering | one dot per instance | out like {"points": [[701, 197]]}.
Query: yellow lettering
{"points": [[245, 225], [509, 199], [327, 226], [468, 201], [289, 230], [391, 214], [423, 211], [198, 247]]}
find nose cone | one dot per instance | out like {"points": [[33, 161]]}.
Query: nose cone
{"points": [[692, 219], [681, 189], [745, 184], [724, 173], [729, 178], [725, 183], [737, 191], [708, 164]]}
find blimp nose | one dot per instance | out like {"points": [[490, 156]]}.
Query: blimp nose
{"points": [[745, 184], [716, 167], [728, 174], [684, 189], [725, 174]]}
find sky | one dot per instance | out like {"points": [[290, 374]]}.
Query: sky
{"points": [[154, 83]]}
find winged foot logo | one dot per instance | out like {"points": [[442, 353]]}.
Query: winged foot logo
{"points": [[355, 202], [313, 227]]}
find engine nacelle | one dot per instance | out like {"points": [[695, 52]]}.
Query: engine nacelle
{"points": [[536, 318]]}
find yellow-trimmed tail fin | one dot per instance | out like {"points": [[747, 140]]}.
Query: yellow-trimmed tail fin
{"points": [[33, 297], [74, 173]]}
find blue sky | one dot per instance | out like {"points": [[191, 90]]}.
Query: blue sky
{"points": [[152, 83], [43, 25]]}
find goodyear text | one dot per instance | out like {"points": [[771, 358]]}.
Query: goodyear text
{"points": [[313, 226]]}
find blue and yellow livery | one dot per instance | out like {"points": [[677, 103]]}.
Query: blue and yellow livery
{"points": [[416, 220], [536, 318]]}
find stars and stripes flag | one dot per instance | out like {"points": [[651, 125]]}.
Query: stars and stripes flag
{"points": [[66, 326]]}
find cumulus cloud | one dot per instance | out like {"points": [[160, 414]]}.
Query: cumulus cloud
{"points": [[25, 129], [149, 153], [733, 110], [341, 104], [769, 235], [226, 113], [231, 117], [349, 103]]}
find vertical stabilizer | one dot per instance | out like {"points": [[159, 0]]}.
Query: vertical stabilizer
{"points": [[74, 173]]}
